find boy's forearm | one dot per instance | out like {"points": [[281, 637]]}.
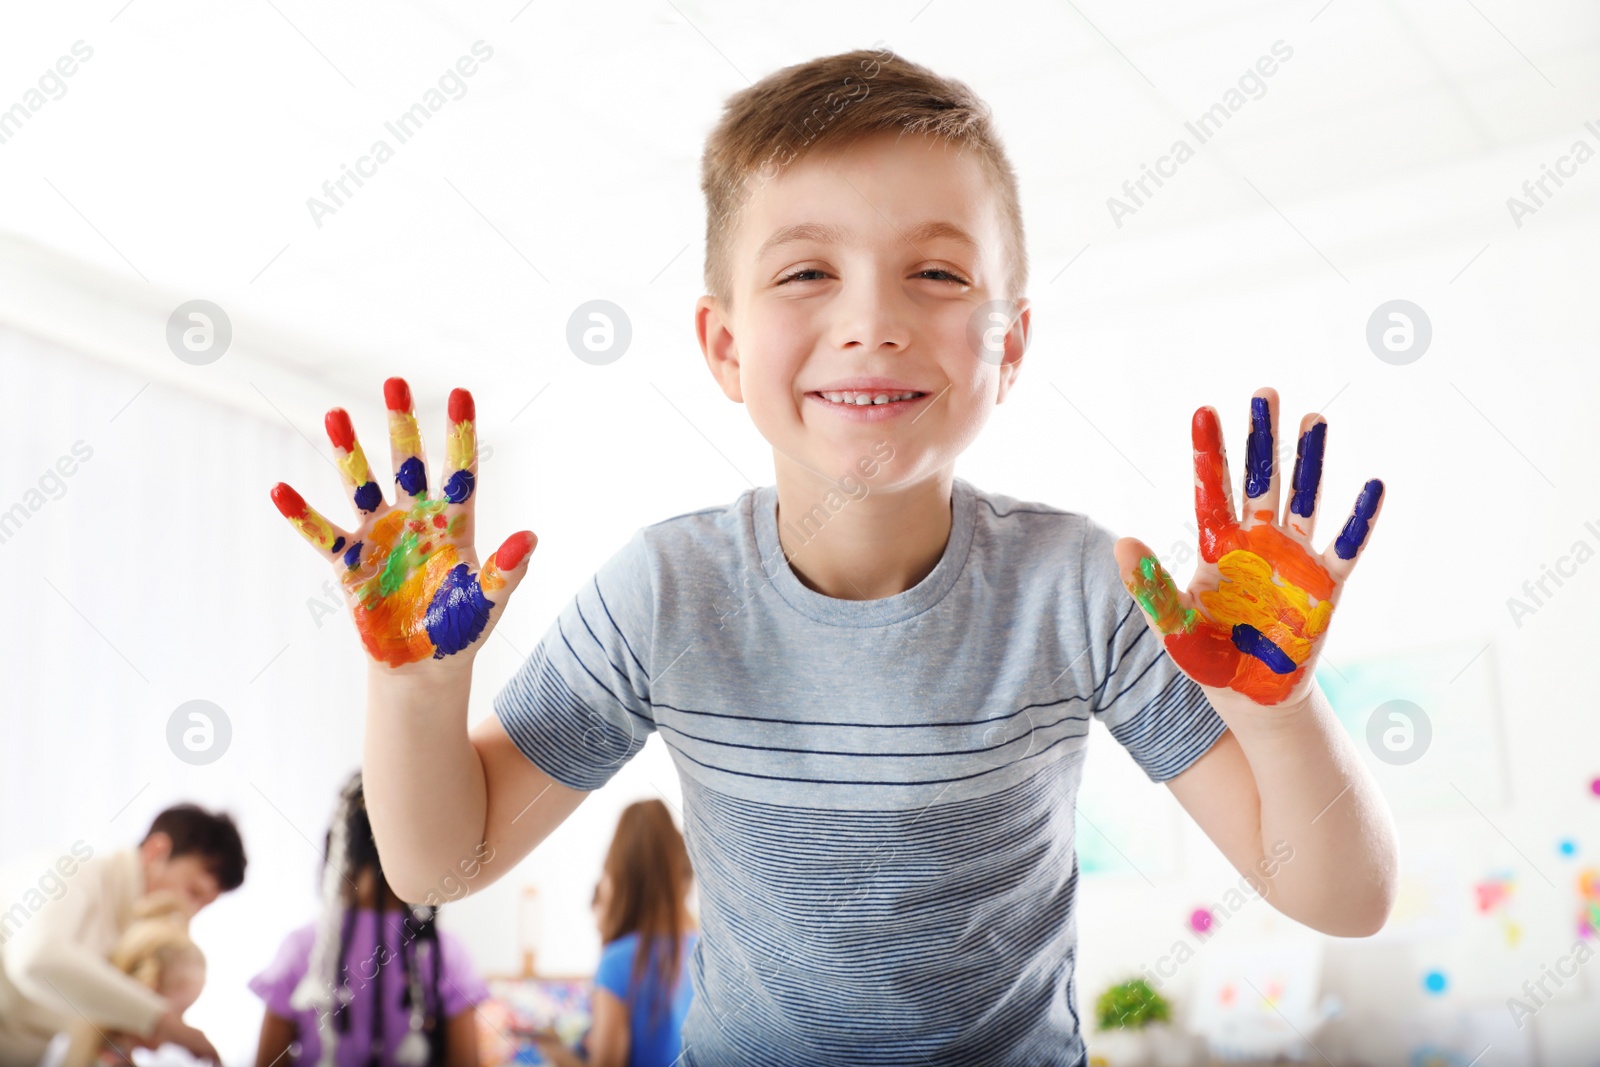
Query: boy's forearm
{"points": [[424, 782], [1316, 796]]}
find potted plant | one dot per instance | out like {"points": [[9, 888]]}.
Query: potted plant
{"points": [[1127, 1017]]}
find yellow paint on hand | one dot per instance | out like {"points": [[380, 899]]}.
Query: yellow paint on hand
{"points": [[1283, 612], [316, 529], [353, 465], [404, 437], [461, 446]]}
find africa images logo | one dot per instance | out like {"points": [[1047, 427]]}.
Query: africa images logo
{"points": [[1206, 126], [403, 128]]}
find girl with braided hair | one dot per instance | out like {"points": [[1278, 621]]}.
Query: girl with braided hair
{"points": [[373, 982]]}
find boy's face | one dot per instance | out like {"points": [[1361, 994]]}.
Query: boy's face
{"points": [[866, 262], [187, 875]]}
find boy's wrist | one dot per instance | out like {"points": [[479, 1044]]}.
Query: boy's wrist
{"points": [[448, 671], [1242, 713], [436, 686]]}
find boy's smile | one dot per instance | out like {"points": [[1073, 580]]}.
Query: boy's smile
{"points": [[855, 273]]}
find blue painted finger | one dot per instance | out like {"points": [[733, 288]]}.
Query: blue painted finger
{"points": [[412, 477], [1308, 470], [459, 487], [1258, 449], [1356, 528]]}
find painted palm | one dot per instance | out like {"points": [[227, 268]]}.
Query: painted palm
{"points": [[1259, 604], [409, 569]]}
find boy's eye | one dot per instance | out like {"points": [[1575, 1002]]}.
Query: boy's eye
{"points": [[935, 273]]}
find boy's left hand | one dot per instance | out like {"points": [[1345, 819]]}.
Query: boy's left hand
{"points": [[1257, 609]]}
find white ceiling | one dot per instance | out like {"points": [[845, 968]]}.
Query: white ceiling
{"points": [[179, 162]]}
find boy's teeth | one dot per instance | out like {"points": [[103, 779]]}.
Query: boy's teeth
{"points": [[862, 399]]}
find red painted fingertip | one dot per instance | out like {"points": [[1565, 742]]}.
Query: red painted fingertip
{"points": [[516, 548], [291, 505], [340, 432], [1205, 430], [462, 409], [397, 394]]}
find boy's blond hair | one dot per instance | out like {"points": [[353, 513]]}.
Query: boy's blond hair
{"points": [[831, 101]]}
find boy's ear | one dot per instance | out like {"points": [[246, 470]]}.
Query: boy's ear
{"points": [[711, 325], [1016, 346], [156, 848]]}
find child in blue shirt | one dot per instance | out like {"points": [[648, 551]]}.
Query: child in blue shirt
{"points": [[641, 995]]}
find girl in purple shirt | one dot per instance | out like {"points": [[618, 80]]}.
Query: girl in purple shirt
{"points": [[351, 991]]}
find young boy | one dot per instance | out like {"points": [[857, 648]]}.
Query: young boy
{"points": [[54, 968], [876, 679]]}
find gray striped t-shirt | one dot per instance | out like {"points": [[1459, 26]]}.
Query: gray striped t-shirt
{"points": [[878, 794]]}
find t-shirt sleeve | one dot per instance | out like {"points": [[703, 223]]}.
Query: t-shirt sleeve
{"points": [[276, 982], [579, 707], [1152, 708], [615, 972], [461, 987]]}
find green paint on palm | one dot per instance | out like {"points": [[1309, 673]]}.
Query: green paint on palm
{"points": [[410, 551], [1153, 588], [401, 562]]}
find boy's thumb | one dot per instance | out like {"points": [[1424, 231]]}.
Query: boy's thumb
{"points": [[1148, 582], [505, 569]]}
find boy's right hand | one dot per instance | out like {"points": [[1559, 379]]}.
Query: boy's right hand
{"points": [[171, 1029], [409, 571]]}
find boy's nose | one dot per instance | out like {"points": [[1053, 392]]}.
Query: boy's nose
{"points": [[870, 319]]}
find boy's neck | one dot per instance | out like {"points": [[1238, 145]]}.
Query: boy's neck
{"points": [[874, 546]]}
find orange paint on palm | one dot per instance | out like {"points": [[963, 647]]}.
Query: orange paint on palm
{"points": [[1289, 559], [386, 629], [386, 529], [1258, 681], [394, 627]]}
